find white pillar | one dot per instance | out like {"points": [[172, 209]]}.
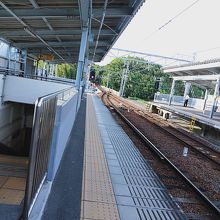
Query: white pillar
{"points": [[9, 57], [187, 89], [82, 53], [205, 100], [56, 70], [44, 69], [171, 92], [216, 93], [122, 82]]}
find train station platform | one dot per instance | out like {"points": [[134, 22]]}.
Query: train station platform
{"points": [[190, 113], [103, 176]]}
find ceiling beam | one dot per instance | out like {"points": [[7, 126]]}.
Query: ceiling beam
{"points": [[36, 13], [196, 77], [56, 44], [63, 52], [194, 67], [21, 33]]}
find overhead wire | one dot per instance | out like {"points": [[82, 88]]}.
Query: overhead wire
{"points": [[172, 19]]}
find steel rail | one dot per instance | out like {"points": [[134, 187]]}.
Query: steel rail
{"points": [[162, 156], [192, 147]]}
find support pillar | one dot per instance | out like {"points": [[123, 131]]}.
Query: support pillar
{"points": [[47, 69], [122, 82], [125, 78], [9, 58], [107, 81], [171, 92], [43, 71], [216, 93], [81, 61], [85, 73], [205, 100], [56, 70], [24, 62], [187, 89]]}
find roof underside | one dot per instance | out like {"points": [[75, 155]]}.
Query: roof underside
{"points": [[58, 23], [203, 69]]}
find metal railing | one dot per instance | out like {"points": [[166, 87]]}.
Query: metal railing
{"points": [[43, 124], [179, 100], [13, 72], [200, 104]]}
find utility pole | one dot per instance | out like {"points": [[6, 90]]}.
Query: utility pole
{"points": [[122, 81], [125, 77]]}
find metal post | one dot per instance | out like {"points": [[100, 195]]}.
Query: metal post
{"points": [[52, 69], [125, 78], [9, 57], [123, 88], [48, 69], [205, 100], [107, 81], [24, 57], [85, 73], [56, 70], [187, 89], [216, 93], [44, 70], [171, 92], [83, 46], [122, 82]]}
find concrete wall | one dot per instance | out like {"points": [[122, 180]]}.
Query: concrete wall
{"points": [[11, 121], [11, 118], [23, 90], [65, 118]]}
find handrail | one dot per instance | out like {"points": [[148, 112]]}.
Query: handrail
{"points": [[43, 123], [39, 101], [36, 77]]}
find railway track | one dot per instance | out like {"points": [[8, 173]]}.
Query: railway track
{"points": [[186, 139], [187, 183]]}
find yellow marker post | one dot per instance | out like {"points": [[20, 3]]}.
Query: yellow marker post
{"points": [[192, 123]]}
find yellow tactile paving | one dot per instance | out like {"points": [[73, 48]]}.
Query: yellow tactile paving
{"points": [[98, 200], [98, 210]]}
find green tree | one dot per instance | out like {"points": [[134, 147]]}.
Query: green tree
{"points": [[67, 70], [142, 76]]}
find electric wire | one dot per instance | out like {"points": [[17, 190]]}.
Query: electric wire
{"points": [[172, 19]]}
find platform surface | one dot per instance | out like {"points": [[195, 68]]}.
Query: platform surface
{"points": [[118, 182], [192, 112]]}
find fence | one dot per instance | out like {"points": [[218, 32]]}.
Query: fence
{"points": [[43, 124], [193, 102]]}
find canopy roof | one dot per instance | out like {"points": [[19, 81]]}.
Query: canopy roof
{"points": [[203, 73], [55, 26]]}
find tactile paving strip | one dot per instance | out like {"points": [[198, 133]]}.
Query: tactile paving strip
{"points": [[139, 192], [98, 199]]}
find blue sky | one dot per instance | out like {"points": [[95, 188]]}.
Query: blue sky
{"points": [[195, 32]]}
